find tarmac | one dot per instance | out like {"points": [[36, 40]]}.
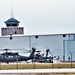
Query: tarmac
{"points": [[39, 72]]}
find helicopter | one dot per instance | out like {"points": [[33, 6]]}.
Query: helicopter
{"points": [[41, 58], [15, 57]]}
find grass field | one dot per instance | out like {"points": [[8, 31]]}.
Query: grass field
{"points": [[36, 65], [5, 66]]}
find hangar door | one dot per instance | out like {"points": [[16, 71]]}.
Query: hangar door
{"points": [[70, 50]]}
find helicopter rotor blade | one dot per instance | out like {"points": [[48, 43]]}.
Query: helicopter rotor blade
{"points": [[22, 50]]}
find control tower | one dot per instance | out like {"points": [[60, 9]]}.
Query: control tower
{"points": [[12, 27]]}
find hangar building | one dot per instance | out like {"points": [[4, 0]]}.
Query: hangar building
{"points": [[62, 45]]}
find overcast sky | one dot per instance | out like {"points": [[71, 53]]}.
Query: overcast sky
{"points": [[40, 16]]}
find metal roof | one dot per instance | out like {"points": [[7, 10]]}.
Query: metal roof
{"points": [[12, 20]]}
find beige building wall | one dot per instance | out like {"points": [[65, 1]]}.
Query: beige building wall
{"points": [[12, 30]]}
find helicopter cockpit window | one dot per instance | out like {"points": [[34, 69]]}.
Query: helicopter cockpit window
{"points": [[10, 56]]}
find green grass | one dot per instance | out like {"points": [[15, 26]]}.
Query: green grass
{"points": [[36, 66]]}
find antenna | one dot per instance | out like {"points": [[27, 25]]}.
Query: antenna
{"points": [[11, 11]]}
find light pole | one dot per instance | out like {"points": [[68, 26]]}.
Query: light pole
{"points": [[52, 57], [17, 62], [71, 59], [0, 65], [34, 61]]}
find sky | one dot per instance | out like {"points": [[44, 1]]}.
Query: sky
{"points": [[40, 16]]}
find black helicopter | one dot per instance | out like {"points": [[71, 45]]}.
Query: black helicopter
{"points": [[41, 58], [15, 57]]}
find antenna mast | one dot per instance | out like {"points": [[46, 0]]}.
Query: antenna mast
{"points": [[11, 11]]}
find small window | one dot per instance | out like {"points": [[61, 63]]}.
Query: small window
{"points": [[14, 28], [14, 24], [36, 37], [11, 38], [8, 25], [3, 29], [64, 35], [21, 28], [15, 32]]}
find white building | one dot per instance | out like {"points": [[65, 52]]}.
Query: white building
{"points": [[61, 45]]}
